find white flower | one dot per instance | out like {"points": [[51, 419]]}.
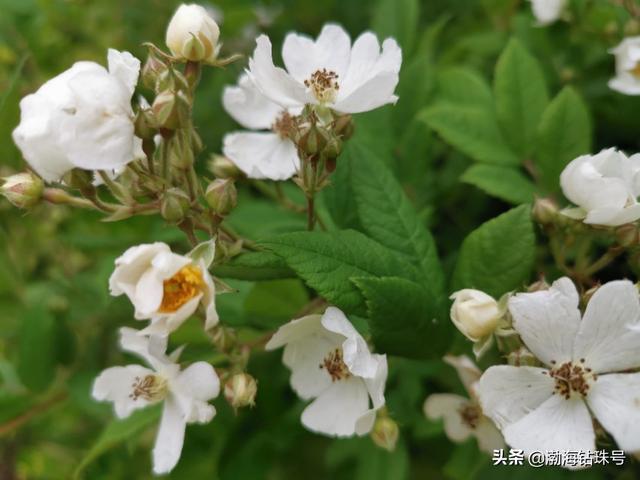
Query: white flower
{"points": [[259, 155], [547, 11], [462, 416], [329, 71], [81, 119], [475, 313], [544, 409], [193, 34], [185, 393], [164, 287], [627, 79], [331, 363], [605, 187]]}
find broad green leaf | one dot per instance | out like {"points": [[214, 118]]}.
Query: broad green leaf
{"points": [[388, 217], [38, 352], [405, 318], [498, 256], [397, 19], [338, 196], [564, 134], [506, 183], [254, 266], [521, 96], [270, 304], [417, 84], [117, 432], [465, 87], [327, 261], [472, 130]]}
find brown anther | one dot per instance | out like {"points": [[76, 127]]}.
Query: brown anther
{"points": [[150, 388], [284, 125], [335, 366], [324, 85], [470, 415]]}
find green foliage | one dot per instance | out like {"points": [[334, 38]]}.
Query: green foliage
{"points": [[507, 183]]}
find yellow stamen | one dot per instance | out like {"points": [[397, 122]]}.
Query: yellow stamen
{"points": [[181, 288]]}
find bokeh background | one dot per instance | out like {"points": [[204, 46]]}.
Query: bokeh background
{"points": [[58, 323]]}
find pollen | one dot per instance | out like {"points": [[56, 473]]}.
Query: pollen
{"points": [[181, 288], [470, 415], [572, 377], [324, 85], [335, 366], [284, 125], [151, 388], [635, 71]]}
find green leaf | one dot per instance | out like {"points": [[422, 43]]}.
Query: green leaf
{"points": [[564, 134], [473, 130], [416, 85], [521, 96], [506, 183], [465, 87], [397, 19], [405, 318], [498, 256], [117, 432], [327, 261], [338, 196], [387, 216], [38, 353], [254, 266], [270, 304]]}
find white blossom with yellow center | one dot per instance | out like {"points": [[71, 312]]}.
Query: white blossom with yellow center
{"points": [[164, 287], [627, 79]]}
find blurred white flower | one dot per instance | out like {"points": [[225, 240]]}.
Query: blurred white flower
{"points": [[475, 313], [462, 416], [164, 287], [605, 186], [547, 11], [193, 34], [627, 79], [330, 362], [81, 119], [329, 71], [185, 393], [545, 409], [261, 155]]}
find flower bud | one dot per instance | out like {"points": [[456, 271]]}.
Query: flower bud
{"points": [[152, 71], [171, 109], [193, 34], [240, 390], [628, 235], [144, 124], [180, 147], [313, 140], [224, 338], [81, 180], [333, 148], [174, 205], [24, 190], [475, 313], [343, 126], [544, 211], [222, 196], [222, 167], [385, 433]]}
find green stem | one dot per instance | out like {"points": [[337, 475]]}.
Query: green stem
{"points": [[610, 255]]}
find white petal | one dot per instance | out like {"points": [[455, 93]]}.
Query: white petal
{"points": [[609, 336], [152, 348], [295, 330], [193, 388], [355, 351], [336, 411], [467, 371], [170, 438], [626, 84], [489, 437], [448, 406], [557, 424], [302, 56], [548, 320], [375, 387], [615, 401], [115, 385], [166, 323], [248, 106], [209, 299], [262, 155], [273, 82], [547, 11], [509, 393], [613, 217], [125, 67], [131, 265]]}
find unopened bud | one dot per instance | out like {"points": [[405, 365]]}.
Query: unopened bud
{"points": [[313, 140], [174, 205], [240, 390], [81, 180], [24, 190], [628, 235], [152, 70], [333, 148], [538, 286], [343, 126], [171, 109], [222, 196], [193, 34], [224, 338], [180, 147], [522, 358], [544, 211], [385, 433], [475, 313], [222, 167], [144, 124]]}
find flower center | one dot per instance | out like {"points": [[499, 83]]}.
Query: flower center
{"points": [[635, 71], [470, 414], [572, 377], [181, 288], [284, 125], [324, 85], [334, 364], [151, 388]]}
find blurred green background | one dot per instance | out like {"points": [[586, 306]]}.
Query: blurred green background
{"points": [[58, 323]]}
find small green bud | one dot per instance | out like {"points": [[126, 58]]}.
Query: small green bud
{"points": [[333, 148], [385, 433], [544, 211], [171, 109], [144, 124], [240, 390], [81, 180], [224, 338], [343, 126], [174, 205], [23, 190], [222, 167], [313, 140], [180, 147], [222, 196], [152, 70]]}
